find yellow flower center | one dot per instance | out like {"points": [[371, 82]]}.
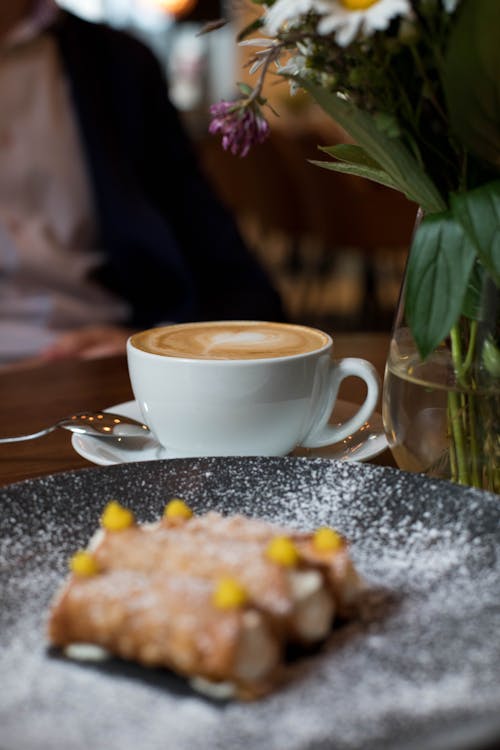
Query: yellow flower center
{"points": [[116, 518], [177, 508], [283, 551], [229, 594], [83, 564], [357, 4], [327, 540]]}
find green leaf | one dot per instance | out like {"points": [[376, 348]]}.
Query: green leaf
{"points": [[387, 124], [474, 302], [369, 173], [210, 26], [439, 267], [471, 78], [350, 153], [245, 89], [389, 153], [478, 211], [491, 357], [354, 160]]}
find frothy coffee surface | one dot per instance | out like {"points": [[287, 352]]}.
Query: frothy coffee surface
{"points": [[232, 340]]}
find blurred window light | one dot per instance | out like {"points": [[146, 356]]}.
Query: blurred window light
{"points": [[200, 69], [145, 15], [176, 8], [92, 10], [142, 14], [148, 15]]}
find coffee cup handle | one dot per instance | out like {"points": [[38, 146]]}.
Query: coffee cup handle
{"points": [[321, 433]]}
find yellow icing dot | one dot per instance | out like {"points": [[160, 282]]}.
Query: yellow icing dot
{"points": [[83, 564], [229, 594], [283, 551], [116, 518], [177, 508], [327, 540]]}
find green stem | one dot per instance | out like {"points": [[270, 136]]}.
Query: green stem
{"points": [[451, 452], [470, 405], [463, 368], [430, 88], [270, 55], [456, 348], [458, 437], [456, 410], [473, 444]]}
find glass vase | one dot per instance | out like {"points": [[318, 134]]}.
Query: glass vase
{"points": [[442, 414]]}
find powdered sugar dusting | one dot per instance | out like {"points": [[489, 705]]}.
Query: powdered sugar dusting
{"points": [[420, 669]]}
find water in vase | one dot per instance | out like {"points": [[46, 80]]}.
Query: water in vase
{"points": [[434, 426]]}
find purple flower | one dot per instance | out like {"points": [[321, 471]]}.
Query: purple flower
{"points": [[240, 124]]}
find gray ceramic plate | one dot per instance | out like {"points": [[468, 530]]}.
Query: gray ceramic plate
{"points": [[421, 671]]}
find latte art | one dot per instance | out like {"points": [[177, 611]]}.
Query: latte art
{"points": [[230, 340]]}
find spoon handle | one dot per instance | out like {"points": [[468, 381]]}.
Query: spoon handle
{"points": [[33, 435]]}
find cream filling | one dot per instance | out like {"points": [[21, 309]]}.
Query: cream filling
{"points": [[96, 539], [314, 608], [216, 690], [86, 652]]}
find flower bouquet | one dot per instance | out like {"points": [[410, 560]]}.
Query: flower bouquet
{"points": [[416, 84]]}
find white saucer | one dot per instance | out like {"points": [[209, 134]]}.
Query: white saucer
{"points": [[364, 444]]}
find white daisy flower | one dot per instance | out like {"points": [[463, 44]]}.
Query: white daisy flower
{"points": [[290, 12], [345, 18]]}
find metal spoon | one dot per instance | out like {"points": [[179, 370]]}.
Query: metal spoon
{"points": [[96, 423]]}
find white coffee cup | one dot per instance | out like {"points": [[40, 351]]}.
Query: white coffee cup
{"points": [[240, 388]]}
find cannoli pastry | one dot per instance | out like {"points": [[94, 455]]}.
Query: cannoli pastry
{"points": [[181, 622], [324, 548], [211, 597], [296, 596]]}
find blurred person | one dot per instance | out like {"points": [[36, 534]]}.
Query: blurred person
{"points": [[107, 224]]}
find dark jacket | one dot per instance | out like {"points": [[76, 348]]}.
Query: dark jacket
{"points": [[173, 251]]}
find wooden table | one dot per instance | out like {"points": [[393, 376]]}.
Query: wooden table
{"points": [[36, 398]]}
